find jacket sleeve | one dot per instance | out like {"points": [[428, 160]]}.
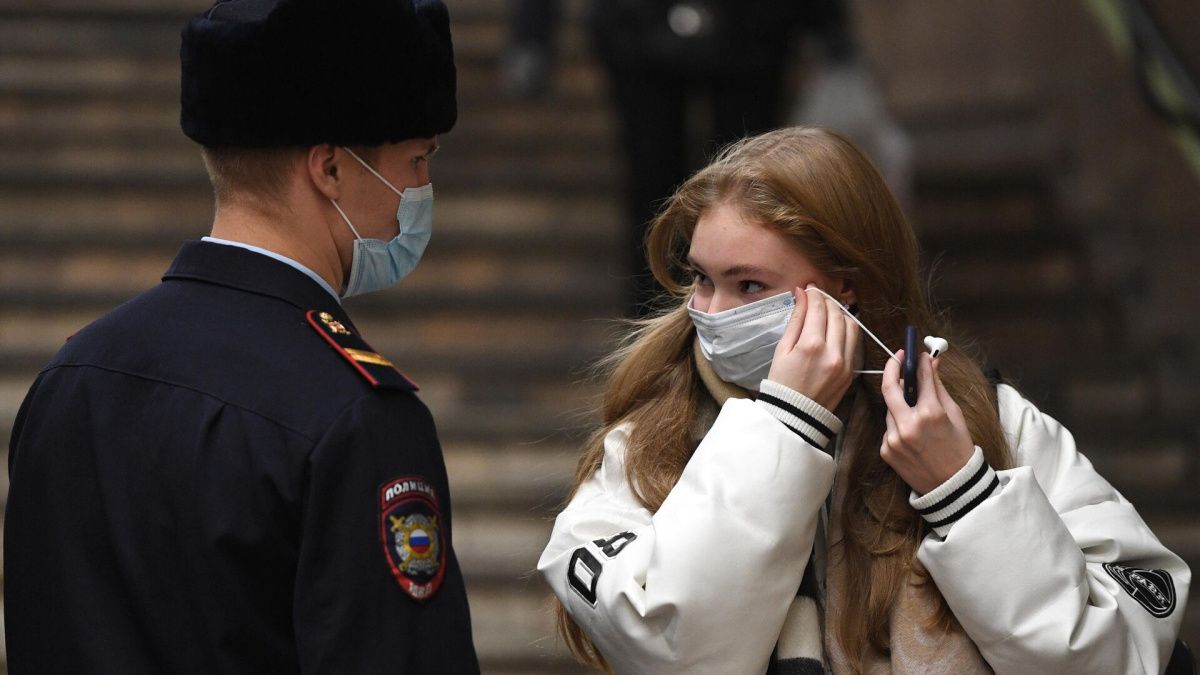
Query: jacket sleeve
{"points": [[1053, 570], [702, 585], [351, 614]]}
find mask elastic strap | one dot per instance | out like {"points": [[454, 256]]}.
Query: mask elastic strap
{"points": [[368, 167], [343, 215], [860, 324]]}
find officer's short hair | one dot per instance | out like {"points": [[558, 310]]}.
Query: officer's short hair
{"points": [[260, 175]]}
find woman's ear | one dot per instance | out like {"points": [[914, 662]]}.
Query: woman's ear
{"points": [[846, 294], [321, 163]]}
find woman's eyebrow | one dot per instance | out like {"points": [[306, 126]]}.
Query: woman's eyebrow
{"points": [[743, 269]]}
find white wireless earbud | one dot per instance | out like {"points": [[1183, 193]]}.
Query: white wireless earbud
{"points": [[936, 345]]}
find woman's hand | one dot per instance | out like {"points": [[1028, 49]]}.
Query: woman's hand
{"points": [[928, 443], [816, 354]]}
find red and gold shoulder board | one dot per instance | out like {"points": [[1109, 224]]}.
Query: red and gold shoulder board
{"points": [[377, 369]]}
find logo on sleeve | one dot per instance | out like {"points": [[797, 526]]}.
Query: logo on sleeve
{"points": [[1153, 589], [410, 527]]}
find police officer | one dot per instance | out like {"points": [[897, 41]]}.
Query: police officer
{"points": [[221, 475]]}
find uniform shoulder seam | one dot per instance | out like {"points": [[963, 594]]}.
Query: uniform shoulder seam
{"points": [[140, 376]]}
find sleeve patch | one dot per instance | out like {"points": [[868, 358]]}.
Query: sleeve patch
{"points": [[1153, 589], [410, 526]]}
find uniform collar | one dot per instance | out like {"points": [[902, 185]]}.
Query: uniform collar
{"points": [[246, 270], [281, 258]]}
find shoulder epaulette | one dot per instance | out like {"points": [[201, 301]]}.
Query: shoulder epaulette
{"points": [[377, 369]]}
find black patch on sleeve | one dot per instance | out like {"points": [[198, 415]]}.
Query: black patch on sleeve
{"points": [[1153, 589], [583, 574], [615, 544]]}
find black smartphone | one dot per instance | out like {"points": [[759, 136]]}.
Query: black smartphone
{"points": [[911, 355]]}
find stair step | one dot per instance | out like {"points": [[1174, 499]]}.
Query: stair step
{"points": [[475, 10], [117, 168], [464, 341], [138, 217], [499, 547], [136, 79], [995, 150], [158, 36], [444, 270], [1151, 474], [1039, 272], [592, 299], [537, 127], [514, 630], [529, 478]]}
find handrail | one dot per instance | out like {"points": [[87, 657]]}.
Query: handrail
{"points": [[1166, 85]]}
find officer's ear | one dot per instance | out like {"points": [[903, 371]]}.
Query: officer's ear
{"points": [[324, 169]]}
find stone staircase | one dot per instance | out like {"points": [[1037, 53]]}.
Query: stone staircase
{"points": [[519, 288]]}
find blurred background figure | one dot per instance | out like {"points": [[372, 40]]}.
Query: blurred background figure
{"points": [[1059, 212], [684, 78]]}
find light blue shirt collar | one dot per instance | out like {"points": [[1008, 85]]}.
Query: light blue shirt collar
{"points": [[281, 258]]}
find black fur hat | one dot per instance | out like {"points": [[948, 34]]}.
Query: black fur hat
{"points": [[270, 73]]}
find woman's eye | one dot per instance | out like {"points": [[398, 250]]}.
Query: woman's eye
{"points": [[752, 287], [700, 278]]}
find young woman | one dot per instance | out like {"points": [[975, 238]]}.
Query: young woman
{"points": [[755, 503]]}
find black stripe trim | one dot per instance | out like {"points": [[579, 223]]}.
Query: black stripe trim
{"points": [[802, 435], [804, 417], [970, 505], [953, 496]]}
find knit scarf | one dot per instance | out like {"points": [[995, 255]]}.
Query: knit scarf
{"points": [[807, 643]]}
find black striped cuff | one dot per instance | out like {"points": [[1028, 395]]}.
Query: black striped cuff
{"points": [[805, 417], [947, 503]]}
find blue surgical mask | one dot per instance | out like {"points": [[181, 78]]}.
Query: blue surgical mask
{"points": [[379, 264]]}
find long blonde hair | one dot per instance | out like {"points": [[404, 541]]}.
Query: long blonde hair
{"points": [[818, 190]]}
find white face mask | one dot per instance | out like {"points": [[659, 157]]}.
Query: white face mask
{"points": [[740, 342]]}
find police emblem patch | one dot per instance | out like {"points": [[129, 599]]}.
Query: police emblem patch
{"points": [[1153, 589], [410, 529]]}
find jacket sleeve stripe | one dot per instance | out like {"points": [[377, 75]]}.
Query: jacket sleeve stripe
{"points": [[802, 435], [970, 506], [793, 410], [957, 494]]}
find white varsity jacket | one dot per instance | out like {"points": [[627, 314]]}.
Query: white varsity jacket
{"points": [[1046, 566]]}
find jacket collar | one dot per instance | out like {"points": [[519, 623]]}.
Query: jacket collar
{"points": [[248, 271]]}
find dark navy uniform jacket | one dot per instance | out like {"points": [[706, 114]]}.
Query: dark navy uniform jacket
{"points": [[217, 478]]}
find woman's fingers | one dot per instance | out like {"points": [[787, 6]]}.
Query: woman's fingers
{"points": [[939, 388], [948, 403], [850, 346], [835, 328], [792, 332], [927, 395], [893, 396], [815, 319], [891, 437]]}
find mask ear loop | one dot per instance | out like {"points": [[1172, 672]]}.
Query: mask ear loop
{"points": [[868, 330], [343, 215], [370, 168]]}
